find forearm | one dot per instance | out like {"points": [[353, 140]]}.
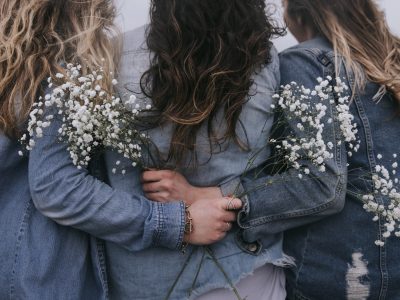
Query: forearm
{"points": [[307, 191], [72, 197], [280, 202]]}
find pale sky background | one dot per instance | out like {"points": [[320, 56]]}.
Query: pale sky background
{"points": [[134, 13]]}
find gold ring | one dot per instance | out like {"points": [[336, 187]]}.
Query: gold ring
{"points": [[229, 226], [230, 205]]}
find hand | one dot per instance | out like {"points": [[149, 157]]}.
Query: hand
{"points": [[212, 219], [167, 186]]}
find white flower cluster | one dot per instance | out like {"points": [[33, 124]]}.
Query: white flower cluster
{"points": [[385, 186], [346, 119], [309, 109], [90, 117]]}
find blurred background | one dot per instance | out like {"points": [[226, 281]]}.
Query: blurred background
{"points": [[134, 13]]}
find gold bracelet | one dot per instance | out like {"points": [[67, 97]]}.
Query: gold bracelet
{"points": [[188, 221], [188, 227]]}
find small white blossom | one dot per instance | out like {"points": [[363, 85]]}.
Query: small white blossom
{"points": [[90, 118]]}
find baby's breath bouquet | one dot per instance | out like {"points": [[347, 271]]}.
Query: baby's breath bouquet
{"points": [[90, 117], [307, 109]]}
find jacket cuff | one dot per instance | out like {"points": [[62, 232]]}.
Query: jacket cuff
{"points": [[171, 225]]}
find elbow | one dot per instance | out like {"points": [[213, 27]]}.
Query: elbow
{"points": [[44, 196], [53, 197]]}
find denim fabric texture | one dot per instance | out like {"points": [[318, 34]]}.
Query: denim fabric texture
{"points": [[48, 208], [336, 257], [40, 259], [138, 273]]}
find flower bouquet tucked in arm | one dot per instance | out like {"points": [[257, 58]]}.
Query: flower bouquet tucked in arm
{"points": [[74, 122], [91, 118]]}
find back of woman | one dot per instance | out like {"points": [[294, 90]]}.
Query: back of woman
{"points": [[350, 256], [208, 70], [40, 259]]}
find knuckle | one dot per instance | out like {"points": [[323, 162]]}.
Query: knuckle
{"points": [[167, 184]]}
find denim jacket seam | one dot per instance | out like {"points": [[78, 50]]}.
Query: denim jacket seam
{"points": [[159, 221], [314, 53], [101, 261], [21, 232], [372, 163]]}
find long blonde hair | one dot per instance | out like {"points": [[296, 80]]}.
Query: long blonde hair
{"points": [[359, 32], [36, 36]]}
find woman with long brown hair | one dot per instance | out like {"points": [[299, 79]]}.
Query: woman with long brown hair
{"points": [[347, 255], [209, 71], [44, 198]]}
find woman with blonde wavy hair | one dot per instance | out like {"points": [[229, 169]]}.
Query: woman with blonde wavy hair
{"points": [[50, 210], [38, 258]]}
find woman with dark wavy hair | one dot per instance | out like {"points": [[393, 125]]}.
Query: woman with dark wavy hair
{"points": [[209, 71], [50, 211], [40, 259]]}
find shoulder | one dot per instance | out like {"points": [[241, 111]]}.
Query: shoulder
{"points": [[268, 77], [274, 65], [135, 60], [306, 61], [313, 48], [134, 40], [135, 56]]}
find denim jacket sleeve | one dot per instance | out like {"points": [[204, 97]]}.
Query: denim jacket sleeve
{"points": [[72, 197], [280, 202]]}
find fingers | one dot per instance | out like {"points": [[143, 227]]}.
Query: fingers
{"points": [[229, 216], [228, 226], [152, 187], [164, 185], [231, 203], [158, 197], [153, 176], [224, 226]]}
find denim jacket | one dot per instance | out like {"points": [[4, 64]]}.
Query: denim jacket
{"points": [[40, 259], [151, 274], [50, 214], [279, 202], [336, 257]]}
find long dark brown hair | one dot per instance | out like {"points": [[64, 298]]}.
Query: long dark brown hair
{"points": [[205, 53], [35, 36], [359, 32]]}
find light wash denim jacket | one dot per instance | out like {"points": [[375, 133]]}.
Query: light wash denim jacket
{"points": [[44, 199], [39, 259], [48, 208], [336, 257], [150, 274]]}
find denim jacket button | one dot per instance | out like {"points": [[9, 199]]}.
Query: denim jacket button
{"points": [[252, 247]]}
